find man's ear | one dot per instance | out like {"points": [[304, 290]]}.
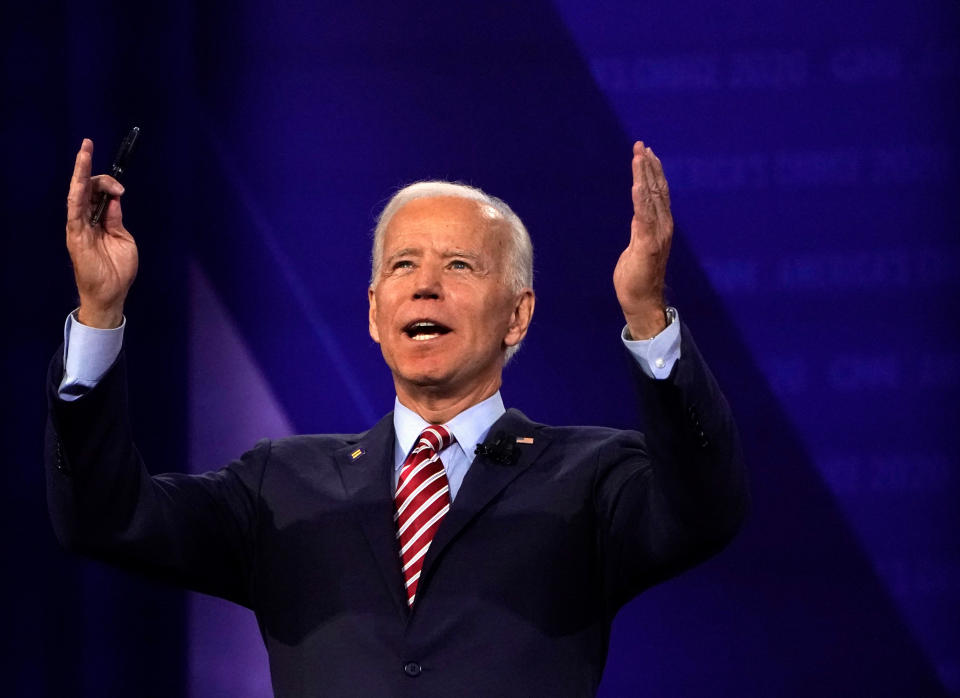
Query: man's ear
{"points": [[374, 332], [521, 317]]}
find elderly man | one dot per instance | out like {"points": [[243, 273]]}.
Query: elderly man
{"points": [[395, 561]]}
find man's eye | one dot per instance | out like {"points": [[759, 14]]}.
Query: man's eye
{"points": [[459, 264], [402, 264]]}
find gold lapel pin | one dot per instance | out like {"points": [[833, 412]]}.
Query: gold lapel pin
{"points": [[356, 454], [524, 439]]}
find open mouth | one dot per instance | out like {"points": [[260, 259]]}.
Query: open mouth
{"points": [[422, 330]]}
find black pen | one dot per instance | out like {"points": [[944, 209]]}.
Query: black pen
{"points": [[116, 171]]}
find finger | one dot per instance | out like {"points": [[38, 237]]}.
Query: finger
{"points": [[643, 210], [660, 195], [642, 201], [636, 162], [659, 206], [644, 214], [106, 183], [81, 168], [646, 206], [639, 181], [659, 177], [650, 177], [78, 196]]}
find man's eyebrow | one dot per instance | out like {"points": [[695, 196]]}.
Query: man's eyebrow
{"points": [[459, 253], [405, 252]]}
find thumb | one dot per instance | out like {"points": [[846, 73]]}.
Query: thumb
{"points": [[113, 217]]}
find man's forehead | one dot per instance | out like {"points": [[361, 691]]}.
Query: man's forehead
{"points": [[442, 216]]}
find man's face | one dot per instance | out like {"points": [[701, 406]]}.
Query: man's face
{"points": [[441, 308]]}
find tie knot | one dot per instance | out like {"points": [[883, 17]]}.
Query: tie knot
{"points": [[435, 437]]}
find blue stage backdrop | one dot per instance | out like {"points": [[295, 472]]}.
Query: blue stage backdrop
{"points": [[814, 163]]}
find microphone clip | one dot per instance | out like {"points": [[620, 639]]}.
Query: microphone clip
{"points": [[502, 449]]}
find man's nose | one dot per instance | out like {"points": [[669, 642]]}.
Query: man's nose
{"points": [[428, 283]]}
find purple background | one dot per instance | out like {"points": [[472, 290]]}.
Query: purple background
{"points": [[814, 163]]}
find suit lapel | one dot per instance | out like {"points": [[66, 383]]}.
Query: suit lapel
{"points": [[484, 481], [366, 470]]}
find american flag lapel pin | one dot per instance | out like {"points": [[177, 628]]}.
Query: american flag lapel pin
{"points": [[526, 440]]}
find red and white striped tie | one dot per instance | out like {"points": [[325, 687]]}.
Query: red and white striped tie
{"points": [[422, 500]]}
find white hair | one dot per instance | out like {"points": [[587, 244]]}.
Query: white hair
{"points": [[519, 271]]}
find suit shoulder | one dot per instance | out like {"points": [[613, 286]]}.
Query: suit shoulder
{"points": [[583, 435], [597, 436], [314, 442]]}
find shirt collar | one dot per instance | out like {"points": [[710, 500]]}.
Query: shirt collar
{"points": [[469, 428]]}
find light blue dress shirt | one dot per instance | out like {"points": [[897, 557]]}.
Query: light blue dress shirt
{"points": [[89, 353], [469, 428]]}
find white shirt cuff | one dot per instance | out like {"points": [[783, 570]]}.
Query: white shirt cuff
{"points": [[657, 355], [88, 353]]}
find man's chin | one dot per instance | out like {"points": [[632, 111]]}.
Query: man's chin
{"points": [[428, 380], [435, 379], [447, 376]]}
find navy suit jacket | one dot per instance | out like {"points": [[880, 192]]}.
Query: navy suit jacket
{"points": [[519, 586]]}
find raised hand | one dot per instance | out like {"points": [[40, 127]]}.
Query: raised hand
{"points": [[640, 271], [104, 256]]}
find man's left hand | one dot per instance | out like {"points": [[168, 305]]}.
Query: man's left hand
{"points": [[641, 269]]}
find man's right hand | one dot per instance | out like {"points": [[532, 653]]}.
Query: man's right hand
{"points": [[104, 256]]}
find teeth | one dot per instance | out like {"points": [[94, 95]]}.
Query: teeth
{"points": [[424, 330]]}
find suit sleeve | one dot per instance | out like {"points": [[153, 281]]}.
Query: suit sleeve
{"points": [[196, 531], [677, 494]]}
